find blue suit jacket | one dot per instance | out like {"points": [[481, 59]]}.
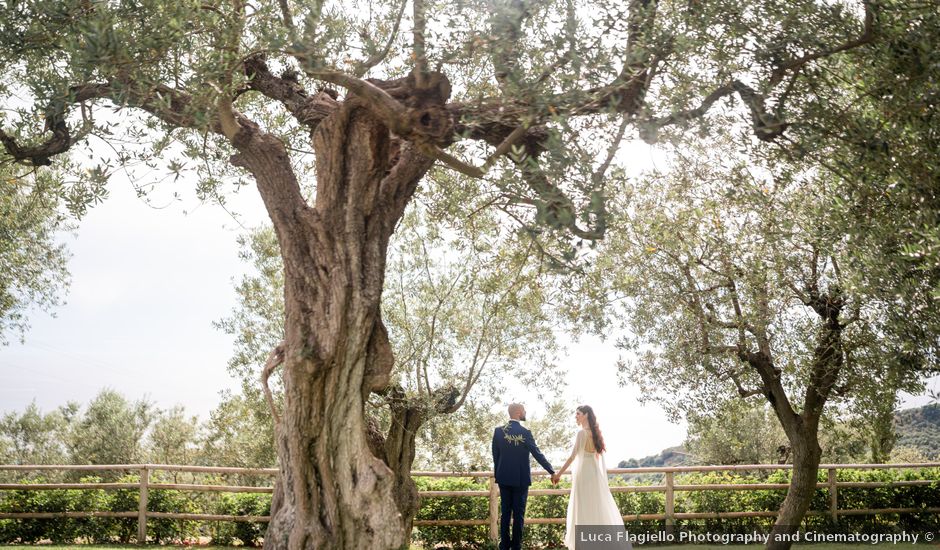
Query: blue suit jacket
{"points": [[512, 445]]}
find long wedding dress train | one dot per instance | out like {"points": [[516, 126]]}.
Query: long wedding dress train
{"points": [[591, 502]]}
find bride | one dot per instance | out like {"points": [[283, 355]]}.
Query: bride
{"points": [[591, 502]]}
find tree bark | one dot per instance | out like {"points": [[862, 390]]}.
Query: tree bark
{"points": [[803, 429], [806, 457], [332, 491], [400, 456], [397, 447]]}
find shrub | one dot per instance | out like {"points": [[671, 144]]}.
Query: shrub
{"points": [[97, 530], [471, 537], [32, 530], [166, 530], [124, 500], [249, 533]]}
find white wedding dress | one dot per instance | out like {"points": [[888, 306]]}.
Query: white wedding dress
{"points": [[591, 502]]}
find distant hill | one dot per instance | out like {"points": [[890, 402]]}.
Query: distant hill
{"points": [[673, 456], [919, 428]]}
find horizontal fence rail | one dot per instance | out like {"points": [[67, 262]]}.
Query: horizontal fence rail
{"points": [[669, 487]]}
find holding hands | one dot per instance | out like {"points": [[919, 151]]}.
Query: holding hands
{"points": [[556, 477]]}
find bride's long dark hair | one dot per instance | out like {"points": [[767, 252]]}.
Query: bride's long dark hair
{"points": [[595, 429]]}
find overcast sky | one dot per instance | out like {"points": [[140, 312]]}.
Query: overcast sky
{"points": [[147, 284]]}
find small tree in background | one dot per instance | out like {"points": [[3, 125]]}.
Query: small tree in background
{"points": [[739, 284], [747, 432], [239, 432], [111, 430], [32, 437], [173, 437]]}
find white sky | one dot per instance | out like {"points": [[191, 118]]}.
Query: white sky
{"points": [[148, 283]]}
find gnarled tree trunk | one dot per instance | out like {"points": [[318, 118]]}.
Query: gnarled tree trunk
{"points": [[332, 491], [397, 447], [399, 455]]}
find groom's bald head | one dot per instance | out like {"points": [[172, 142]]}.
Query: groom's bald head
{"points": [[516, 411]]}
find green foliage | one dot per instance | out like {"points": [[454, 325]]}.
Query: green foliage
{"points": [[102, 530], [464, 299], [33, 530], [126, 500], [920, 428], [879, 139], [32, 437], [242, 504], [94, 530], [165, 530], [33, 271], [240, 432], [462, 537], [257, 323], [111, 430], [172, 438]]}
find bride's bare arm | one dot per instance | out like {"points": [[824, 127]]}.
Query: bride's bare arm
{"points": [[577, 445]]}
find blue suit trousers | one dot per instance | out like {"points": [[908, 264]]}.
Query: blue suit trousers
{"points": [[512, 503]]}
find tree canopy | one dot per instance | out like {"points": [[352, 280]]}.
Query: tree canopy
{"points": [[33, 270], [360, 100]]}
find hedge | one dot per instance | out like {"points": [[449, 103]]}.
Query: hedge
{"points": [[104, 530], [100, 530], [551, 536]]}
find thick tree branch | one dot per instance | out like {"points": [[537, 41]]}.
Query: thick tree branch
{"points": [[766, 126], [275, 358], [62, 138], [420, 49], [743, 393], [866, 37], [166, 103], [307, 110], [773, 389], [828, 356]]}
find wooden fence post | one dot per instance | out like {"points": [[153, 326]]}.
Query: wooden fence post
{"points": [[494, 511], [142, 506], [670, 504], [833, 495]]}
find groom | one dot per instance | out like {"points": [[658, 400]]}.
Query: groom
{"points": [[512, 444]]}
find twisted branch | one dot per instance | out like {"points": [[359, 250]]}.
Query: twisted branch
{"points": [[275, 358]]}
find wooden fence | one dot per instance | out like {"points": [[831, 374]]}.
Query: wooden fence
{"points": [[668, 486]]}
